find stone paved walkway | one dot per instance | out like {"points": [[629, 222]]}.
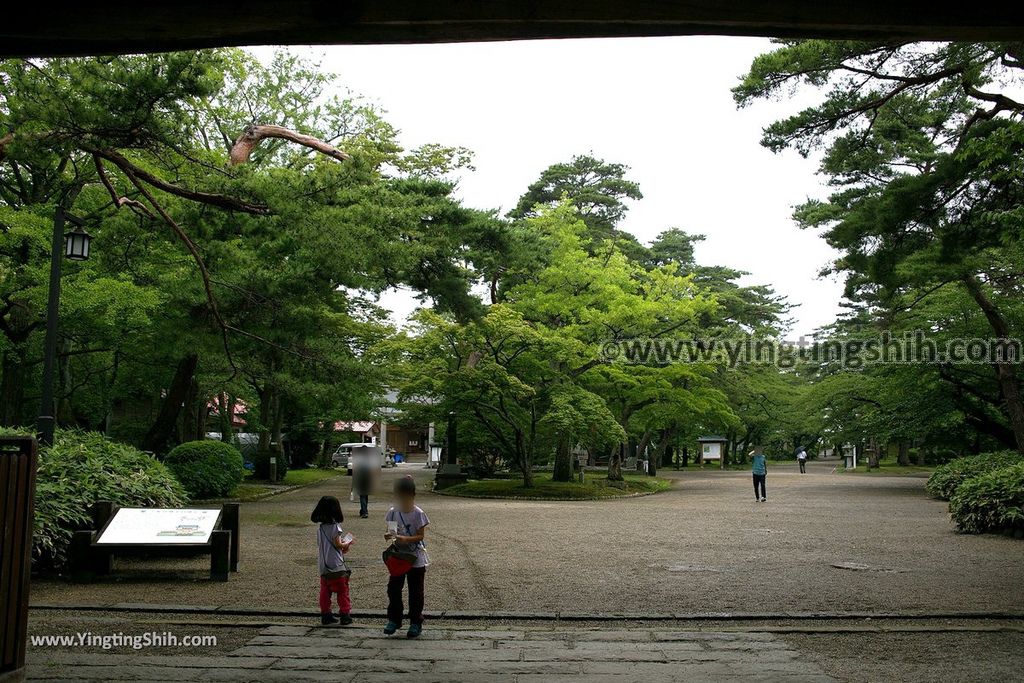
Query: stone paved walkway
{"points": [[520, 655]]}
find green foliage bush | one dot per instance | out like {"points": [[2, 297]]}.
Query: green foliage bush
{"points": [[82, 468], [947, 478], [207, 469], [261, 463], [991, 502]]}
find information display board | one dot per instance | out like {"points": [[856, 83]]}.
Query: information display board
{"points": [[147, 526]]}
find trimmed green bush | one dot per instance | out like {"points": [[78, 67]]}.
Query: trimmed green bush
{"points": [[947, 478], [82, 468], [207, 469], [991, 502]]}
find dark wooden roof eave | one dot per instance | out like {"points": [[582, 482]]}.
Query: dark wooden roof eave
{"points": [[118, 26]]}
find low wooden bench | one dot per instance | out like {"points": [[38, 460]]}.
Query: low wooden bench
{"points": [[92, 552]]}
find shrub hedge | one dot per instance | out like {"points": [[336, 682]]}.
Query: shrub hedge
{"points": [[82, 468], [207, 469], [947, 478], [991, 502]]}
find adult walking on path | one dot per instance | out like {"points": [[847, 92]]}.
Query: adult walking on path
{"points": [[759, 468], [801, 457], [365, 468]]}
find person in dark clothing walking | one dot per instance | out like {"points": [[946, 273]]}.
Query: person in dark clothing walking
{"points": [[759, 468], [362, 484]]}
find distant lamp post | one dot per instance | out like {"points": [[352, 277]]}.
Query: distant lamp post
{"points": [[450, 472], [75, 246]]}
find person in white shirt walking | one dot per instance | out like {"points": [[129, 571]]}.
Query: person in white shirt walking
{"points": [[801, 457]]}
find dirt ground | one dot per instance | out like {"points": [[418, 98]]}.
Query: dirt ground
{"points": [[703, 547], [919, 657]]}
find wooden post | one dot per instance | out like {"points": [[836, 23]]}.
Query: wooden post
{"points": [[220, 555], [101, 512], [229, 521], [18, 463], [86, 560]]}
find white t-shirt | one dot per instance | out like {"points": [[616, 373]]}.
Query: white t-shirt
{"points": [[409, 524], [330, 556], [801, 455]]}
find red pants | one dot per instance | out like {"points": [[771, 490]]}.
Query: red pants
{"points": [[339, 587]]}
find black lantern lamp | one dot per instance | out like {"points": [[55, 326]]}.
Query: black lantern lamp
{"points": [[76, 244]]}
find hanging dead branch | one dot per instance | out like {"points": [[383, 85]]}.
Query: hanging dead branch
{"points": [[254, 134]]}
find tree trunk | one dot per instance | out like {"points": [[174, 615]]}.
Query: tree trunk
{"points": [[563, 460], [525, 454], [903, 455], [190, 415], [202, 414], [1006, 373], [108, 391], [615, 463], [226, 413], [160, 433], [12, 388], [279, 423], [527, 476], [873, 454], [265, 417]]}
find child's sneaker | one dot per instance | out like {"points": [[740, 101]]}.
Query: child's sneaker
{"points": [[390, 628], [344, 619], [414, 630], [328, 620]]}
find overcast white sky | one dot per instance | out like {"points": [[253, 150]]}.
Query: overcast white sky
{"points": [[662, 106]]}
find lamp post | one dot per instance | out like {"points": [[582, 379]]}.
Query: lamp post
{"points": [[450, 473], [75, 246]]}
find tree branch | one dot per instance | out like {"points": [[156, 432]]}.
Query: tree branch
{"points": [[218, 200], [254, 134], [136, 206]]}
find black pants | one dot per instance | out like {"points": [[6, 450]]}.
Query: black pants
{"points": [[364, 503], [395, 608], [803, 465], [759, 481]]}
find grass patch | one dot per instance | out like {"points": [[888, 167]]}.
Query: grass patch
{"points": [[888, 469], [253, 489], [245, 493], [310, 475], [595, 485]]}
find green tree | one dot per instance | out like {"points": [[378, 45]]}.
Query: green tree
{"points": [[598, 189], [922, 143]]}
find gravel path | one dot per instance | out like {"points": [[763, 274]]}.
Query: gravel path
{"points": [[705, 546]]}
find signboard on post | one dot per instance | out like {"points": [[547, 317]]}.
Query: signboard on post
{"points": [[713, 449], [136, 526], [162, 532]]}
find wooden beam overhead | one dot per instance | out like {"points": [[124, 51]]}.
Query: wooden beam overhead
{"points": [[89, 27]]}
